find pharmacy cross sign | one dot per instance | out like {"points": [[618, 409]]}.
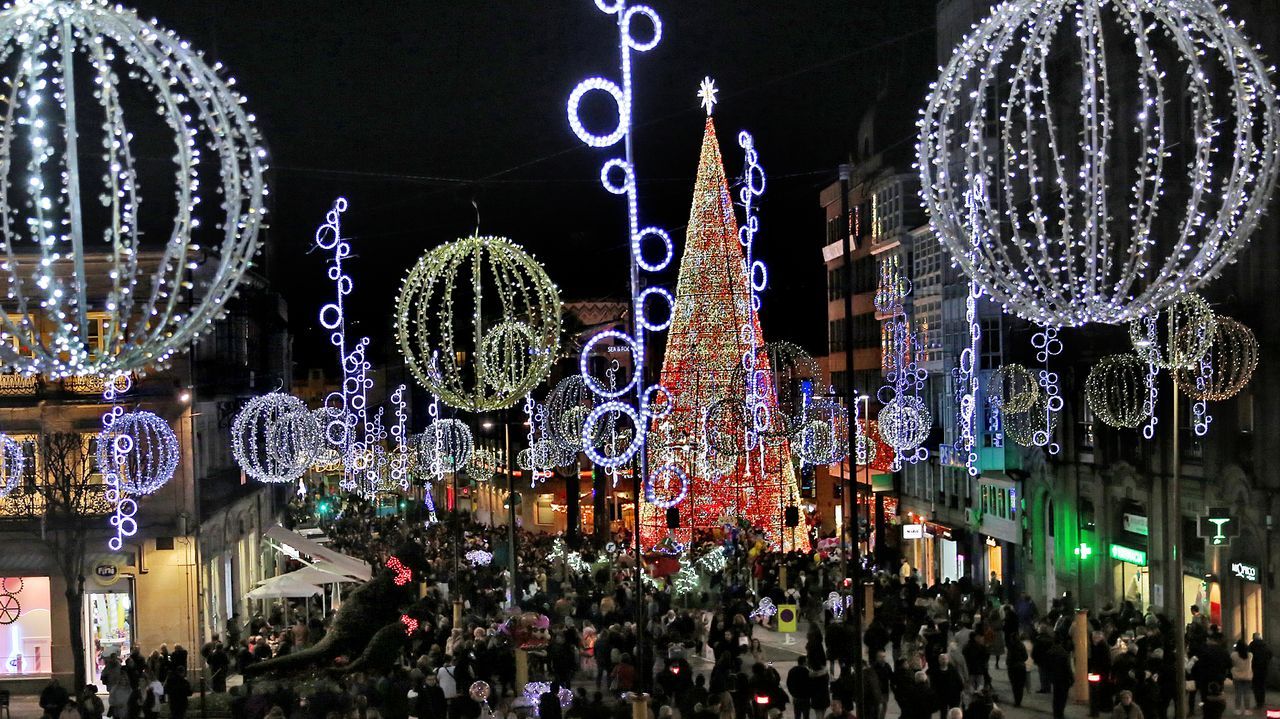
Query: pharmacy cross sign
{"points": [[1219, 527]]}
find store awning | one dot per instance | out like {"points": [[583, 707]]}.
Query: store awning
{"points": [[285, 586], [314, 574], [329, 560]]}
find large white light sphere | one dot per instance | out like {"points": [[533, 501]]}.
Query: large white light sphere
{"points": [[275, 438], [141, 449], [478, 323], [1091, 160], [93, 280]]}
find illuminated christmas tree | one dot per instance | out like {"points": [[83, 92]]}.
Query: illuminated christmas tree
{"points": [[710, 332]]}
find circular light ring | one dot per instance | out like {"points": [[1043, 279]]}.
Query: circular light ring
{"points": [[1116, 393], [658, 402], [667, 471], [631, 445], [12, 464], [69, 204], [1175, 338], [642, 312], [1126, 246], [575, 121], [1229, 364], [629, 16], [1013, 388], [152, 455], [637, 249], [491, 365], [275, 438], [584, 368], [789, 368]]}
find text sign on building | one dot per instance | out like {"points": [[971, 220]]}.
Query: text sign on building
{"points": [[1136, 523], [1247, 572], [913, 531], [1129, 554], [1218, 526]]}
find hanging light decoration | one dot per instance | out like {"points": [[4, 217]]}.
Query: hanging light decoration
{"points": [[141, 450], [1079, 226], [1175, 338], [484, 464], [1033, 428], [514, 314], [12, 464], [446, 445], [790, 370], [905, 422], [1231, 359], [275, 438], [82, 78], [567, 407], [1116, 391], [824, 437], [1013, 388]]}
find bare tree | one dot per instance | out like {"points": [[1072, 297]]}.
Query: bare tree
{"points": [[64, 507]]}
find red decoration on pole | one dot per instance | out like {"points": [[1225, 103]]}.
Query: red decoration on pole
{"points": [[403, 574]]}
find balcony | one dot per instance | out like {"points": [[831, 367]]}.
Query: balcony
{"points": [[29, 502], [16, 385], [19, 389]]}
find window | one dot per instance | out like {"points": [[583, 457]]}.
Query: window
{"points": [[836, 332], [836, 283], [25, 643], [833, 230]]}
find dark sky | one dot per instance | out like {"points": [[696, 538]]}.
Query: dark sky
{"points": [[413, 110]]}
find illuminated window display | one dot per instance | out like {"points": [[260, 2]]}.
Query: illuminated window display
{"points": [[24, 625], [110, 629]]}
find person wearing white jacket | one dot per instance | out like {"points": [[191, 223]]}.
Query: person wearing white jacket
{"points": [[1242, 676]]}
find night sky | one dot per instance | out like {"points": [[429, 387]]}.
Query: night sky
{"points": [[415, 110]]}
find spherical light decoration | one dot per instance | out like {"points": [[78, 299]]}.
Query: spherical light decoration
{"points": [[1116, 393], [12, 464], [484, 464], [93, 93], [1013, 388], [790, 368], [905, 422], [1028, 428], [141, 449], [275, 438], [548, 454], [478, 322], [446, 445], [824, 438], [1175, 338], [1092, 160], [567, 407], [1231, 360], [725, 425]]}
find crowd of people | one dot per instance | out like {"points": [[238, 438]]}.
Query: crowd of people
{"points": [[585, 636]]}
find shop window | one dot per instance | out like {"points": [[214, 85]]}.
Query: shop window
{"points": [[543, 513], [25, 627]]}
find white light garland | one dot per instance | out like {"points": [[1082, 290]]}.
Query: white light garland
{"points": [[1116, 392], [74, 215], [12, 464], [445, 446], [140, 449], [1082, 225]]}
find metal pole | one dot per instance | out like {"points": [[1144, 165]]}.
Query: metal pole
{"points": [[511, 509], [1174, 540], [853, 558]]}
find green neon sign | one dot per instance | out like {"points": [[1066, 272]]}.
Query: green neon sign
{"points": [[1129, 554]]}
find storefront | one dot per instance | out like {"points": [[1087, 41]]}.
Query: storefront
{"points": [[950, 552], [1131, 576], [917, 545], [26, 629], [108, 617], [1248, 578]]}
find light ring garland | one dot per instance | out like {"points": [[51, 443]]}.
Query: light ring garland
{"points": [[622, 97], [1116, 392], [1074, 270], [275, 438], [75, 190], [140, 449], [514, 354]]}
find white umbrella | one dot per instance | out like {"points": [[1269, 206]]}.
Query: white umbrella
{"points": [[285, 586]]}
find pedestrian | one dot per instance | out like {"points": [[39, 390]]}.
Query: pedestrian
{"points": [[976, 659], [177, 690], [90, 704], [948, 685], [1241, 676], [798, 687], [1061, 678], [1126, 708], [1016, 664], [1261, 654], [53, 698]]}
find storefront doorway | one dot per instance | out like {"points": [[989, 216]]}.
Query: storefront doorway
{"points": [[108, 624]]}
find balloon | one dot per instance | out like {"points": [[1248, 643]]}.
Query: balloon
{"points": [[480, 691]]}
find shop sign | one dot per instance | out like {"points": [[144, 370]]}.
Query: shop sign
{"points": [[913, 531], [107, 574], [1218, 526], [1129, 555], [991, 542], [1136, 524], [1247, 572]]}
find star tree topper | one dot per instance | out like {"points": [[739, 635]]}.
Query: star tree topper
{"points": [[707, 93]]}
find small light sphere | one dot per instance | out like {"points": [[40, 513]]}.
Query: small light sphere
{"points": [[478, 323], [1229, 365], [824, 437], [1175, 338], [1091, 160], [275, 438], [446, 445], [1027, 429], [1013, 388], [141, 449], [905, 422], [118, 259], [1116, 392]]}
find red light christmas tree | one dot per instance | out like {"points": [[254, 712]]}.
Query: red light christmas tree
{"points": [[703, 366]]}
